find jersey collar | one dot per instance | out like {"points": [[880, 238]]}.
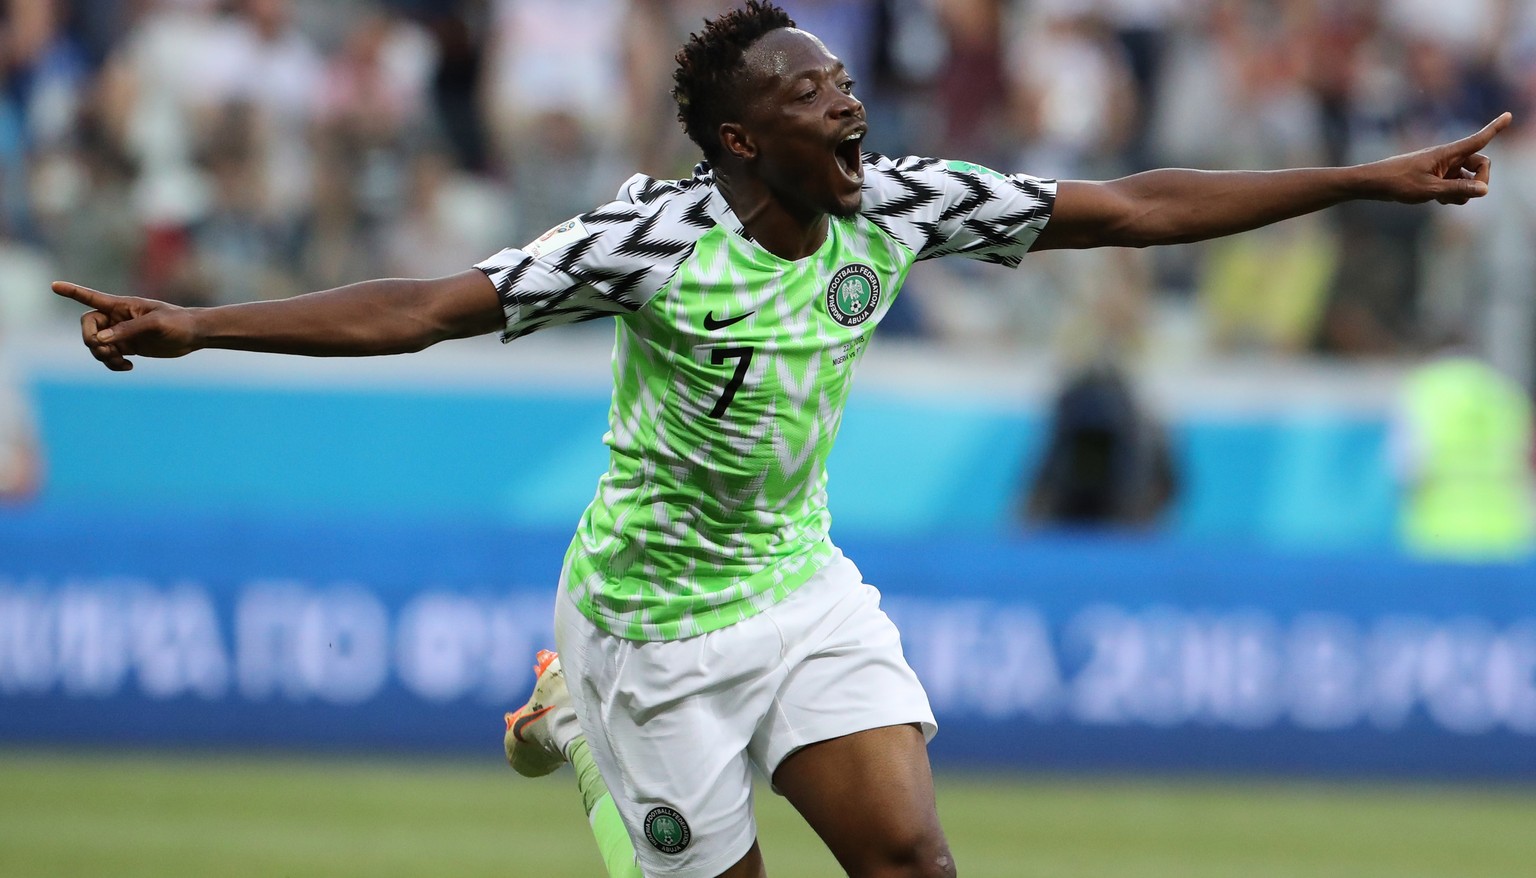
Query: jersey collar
{"points": [[716, 206]]}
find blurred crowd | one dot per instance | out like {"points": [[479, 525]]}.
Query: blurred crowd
{"points": [[211, 152]]}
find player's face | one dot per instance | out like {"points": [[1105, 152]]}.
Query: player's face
{"points": [[805, 124]]}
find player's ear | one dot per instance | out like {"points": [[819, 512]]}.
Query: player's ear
{"points": [[736, 141]]}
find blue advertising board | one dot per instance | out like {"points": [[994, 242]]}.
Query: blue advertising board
{"points": [[1054, 653], [529, 458]]}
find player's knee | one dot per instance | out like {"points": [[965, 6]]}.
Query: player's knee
{"points": [[919, 856]]}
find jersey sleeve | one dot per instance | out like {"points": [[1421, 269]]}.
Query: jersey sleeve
{"points": [[936, 207], [608, 262]]}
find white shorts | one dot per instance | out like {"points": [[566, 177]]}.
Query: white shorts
{"points": [[676, 727]]}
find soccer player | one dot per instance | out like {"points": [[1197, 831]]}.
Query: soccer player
{"points": [[706, 623]]}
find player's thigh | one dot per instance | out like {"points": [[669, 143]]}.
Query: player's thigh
{"points": [[847, 671], [869, 795], [749, 866]]}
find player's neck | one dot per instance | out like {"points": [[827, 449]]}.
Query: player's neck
{"points": [[776, 226]]}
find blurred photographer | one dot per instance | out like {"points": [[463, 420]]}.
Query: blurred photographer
{"points": [[1108, 461]]}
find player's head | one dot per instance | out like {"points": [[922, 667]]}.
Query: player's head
{"points": [[760, 96]]}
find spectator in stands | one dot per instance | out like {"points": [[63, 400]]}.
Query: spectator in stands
{"points": [[656, 144], [577, 94], [85, 206], [377, 85], [258, 58], [449, 218], [236, 243], [554, 70], [42, 73], [337, 242], [1073, 93], [1143, 29], [456, 78], [149, 94], [973, 92]]}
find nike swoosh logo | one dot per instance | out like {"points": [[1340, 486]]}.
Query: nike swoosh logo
{"points": [[520, 723], [711, 324]]}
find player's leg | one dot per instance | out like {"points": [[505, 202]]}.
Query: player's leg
{"points": [[543, 734], [869, 795], [845, 740], [613, 843]]}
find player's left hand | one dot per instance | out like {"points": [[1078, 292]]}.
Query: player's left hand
{"points": [[1453, 173]]}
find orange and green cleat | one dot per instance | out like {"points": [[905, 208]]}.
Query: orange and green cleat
{"points": [[539, 732]]}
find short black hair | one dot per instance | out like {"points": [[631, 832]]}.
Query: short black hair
{"points": [[709, 72]]}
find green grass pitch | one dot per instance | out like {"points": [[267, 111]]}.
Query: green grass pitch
{"points": [[66, 814]]}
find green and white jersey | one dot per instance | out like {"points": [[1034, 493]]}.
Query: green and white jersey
{"points": [[731, 370]]}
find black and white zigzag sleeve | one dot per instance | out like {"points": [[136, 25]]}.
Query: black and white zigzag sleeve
{"points": [[936, 207], [608, 262]]}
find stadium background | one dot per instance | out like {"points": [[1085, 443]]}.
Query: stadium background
{"points": [[325, 579]]}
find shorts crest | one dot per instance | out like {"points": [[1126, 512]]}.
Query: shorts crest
{"points": [[667, 831]]}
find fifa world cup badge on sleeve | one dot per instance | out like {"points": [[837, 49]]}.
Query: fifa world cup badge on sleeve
{"points": [[567, 233]]}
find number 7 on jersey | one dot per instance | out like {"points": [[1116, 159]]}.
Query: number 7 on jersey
{"points": [[743, 358]]}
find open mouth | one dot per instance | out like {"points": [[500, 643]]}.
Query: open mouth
{"points": [[849, 152]]}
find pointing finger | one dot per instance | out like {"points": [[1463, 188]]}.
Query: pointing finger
{"points": [[85, 295], [1482, 138]]}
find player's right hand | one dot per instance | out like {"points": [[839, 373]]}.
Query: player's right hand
{"points": [[120, 327]]}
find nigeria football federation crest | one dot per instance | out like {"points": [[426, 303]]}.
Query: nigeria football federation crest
{"points": [[854, 294], [667, 831]]}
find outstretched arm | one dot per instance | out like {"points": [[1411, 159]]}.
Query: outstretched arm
{"points": [[364, 319], [1178, 206]]}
